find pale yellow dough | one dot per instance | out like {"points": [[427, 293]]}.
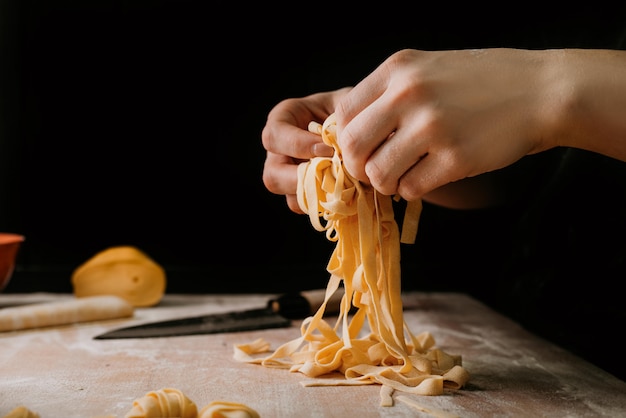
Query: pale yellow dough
{"points": [[173, 403], [38, 315], [124, 271], [366, 261], [163, 403], [21, 412], [223, 409]]}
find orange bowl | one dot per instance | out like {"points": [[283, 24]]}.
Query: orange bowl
{"points": [[9, 244]]}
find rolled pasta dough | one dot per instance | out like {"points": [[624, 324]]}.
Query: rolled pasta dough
{"points": [[21, 412], [223, 409], [163, 403]]}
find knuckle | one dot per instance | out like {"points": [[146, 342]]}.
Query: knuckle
{"points": [[293, 205], [266, 137], [341, 112], [350, 168], [348, 145], [432, 122], [400, 58], [380, 178], [347, 142], [409, 191], [270, 182]]}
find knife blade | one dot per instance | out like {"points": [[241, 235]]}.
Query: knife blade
{"points": [[278, 313], [248, 320]]}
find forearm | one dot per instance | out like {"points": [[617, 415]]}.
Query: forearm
{"points": [[591, 101]]}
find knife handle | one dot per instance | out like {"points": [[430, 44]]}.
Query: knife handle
{"points": [[305, 303]]}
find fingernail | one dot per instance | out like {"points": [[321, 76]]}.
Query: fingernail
{"points": [[322, 150]]}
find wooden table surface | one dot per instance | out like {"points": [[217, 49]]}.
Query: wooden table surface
{"points": [[63, 372]]}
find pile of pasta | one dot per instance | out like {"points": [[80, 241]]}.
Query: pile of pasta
{"points": [[172, 402], [366, 262], [167, 403]]}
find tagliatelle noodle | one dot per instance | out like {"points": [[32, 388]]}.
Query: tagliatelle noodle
{"points": [[366, 260], [21, 412], [224, 409], [173, 403], [163, 403]]}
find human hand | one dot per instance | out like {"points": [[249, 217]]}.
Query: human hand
{"points": [[288, 141], [424, 119]]}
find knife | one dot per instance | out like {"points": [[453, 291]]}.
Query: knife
{"points": [[277, 314]]}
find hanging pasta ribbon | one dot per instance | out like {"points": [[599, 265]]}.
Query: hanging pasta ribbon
{"points": [[366, 261]]}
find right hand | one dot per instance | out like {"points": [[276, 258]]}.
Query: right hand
{"points": [[426, 119]]}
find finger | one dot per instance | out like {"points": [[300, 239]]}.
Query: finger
{"points": [[280, 174], [360, 130], [429, 173], [363, 135], [281, 137], [394, 158], [361, 96], [292, 203]]}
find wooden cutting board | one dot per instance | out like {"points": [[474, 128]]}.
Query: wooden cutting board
{"points": [[63, 372]]}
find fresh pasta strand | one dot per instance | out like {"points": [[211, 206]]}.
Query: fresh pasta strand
{"points": [[22, 412], [224, 409], [166, 402], [366, 261], [173, 403]]}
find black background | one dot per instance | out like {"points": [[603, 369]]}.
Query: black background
{"points": [[139, 123]]}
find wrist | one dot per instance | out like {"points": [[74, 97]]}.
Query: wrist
{"points": [[559, 100], [588, 101]]}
